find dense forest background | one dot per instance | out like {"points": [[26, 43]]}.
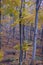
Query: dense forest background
{"points": [[21, 32]]}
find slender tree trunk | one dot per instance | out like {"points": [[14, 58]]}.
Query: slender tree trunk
{"points": [[38, 3], [21, 51], [24, 31], [35, 37], [23, 40]]}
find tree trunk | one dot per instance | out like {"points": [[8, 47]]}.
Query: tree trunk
{"points": [[38, 3], [21, 51], [35, 36]]}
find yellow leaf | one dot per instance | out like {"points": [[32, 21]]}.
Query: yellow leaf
{"points": [[17, 47], [15, 23]]}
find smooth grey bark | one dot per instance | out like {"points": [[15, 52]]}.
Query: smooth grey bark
{"points": [[21, 51], [23, 41], [24, 57], [35, 38], [38, 2], [35, 35]]}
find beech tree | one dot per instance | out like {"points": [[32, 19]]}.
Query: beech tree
{"points": [[38, 3]]}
